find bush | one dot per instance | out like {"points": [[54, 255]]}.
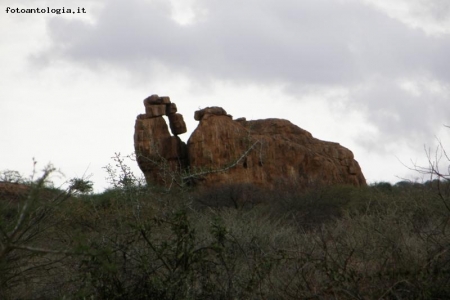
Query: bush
{"points": [[137, 242]]}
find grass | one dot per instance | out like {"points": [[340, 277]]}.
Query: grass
{"points": [[136, 242]]}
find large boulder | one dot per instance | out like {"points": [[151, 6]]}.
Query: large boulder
{"points": [[266, 152]]}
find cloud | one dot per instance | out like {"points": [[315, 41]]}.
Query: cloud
{"points": [[433, 17], [320, 42], [389, 57], [240, 41], [412, 109]]}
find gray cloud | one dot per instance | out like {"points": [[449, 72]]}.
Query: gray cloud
{"points": [[400, 115], [317, 42]]}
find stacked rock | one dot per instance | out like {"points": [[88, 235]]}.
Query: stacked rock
{"points": [[161, 106], [159, 154]]}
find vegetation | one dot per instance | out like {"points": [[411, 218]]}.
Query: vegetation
{"points": [[136, 242]]}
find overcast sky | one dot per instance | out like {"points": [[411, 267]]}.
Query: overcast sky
{"points": [[372, 75]]}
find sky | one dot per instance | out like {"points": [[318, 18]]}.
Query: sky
{"points": [[372, 75]]}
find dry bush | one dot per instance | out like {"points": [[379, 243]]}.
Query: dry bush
{"points": [[137, 242]]}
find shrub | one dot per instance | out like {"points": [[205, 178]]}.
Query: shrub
{"points": [[239, 242]]}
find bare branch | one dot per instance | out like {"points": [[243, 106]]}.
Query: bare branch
{"points": [[43, 250]]}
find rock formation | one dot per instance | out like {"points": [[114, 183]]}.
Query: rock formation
{"points": [[221, 151], [13, 192], [159, 154]]}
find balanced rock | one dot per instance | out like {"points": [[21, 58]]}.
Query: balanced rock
{"points": [[171, 109], [155, 99], [177, 124], [159, 154]]}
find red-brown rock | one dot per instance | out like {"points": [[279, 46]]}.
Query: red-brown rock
{"points": [[159, 155], [224, 151], [155, 99], [171, 109], [177, 124], [153, 111], [267, 153], [13, 192], [206, 112]]}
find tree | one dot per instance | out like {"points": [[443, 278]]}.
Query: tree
{"points": [[438, 170]]}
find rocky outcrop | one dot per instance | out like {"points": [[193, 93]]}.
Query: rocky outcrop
{"points": [[266, 152], [158, 153], [13, 192], [222, 151]]}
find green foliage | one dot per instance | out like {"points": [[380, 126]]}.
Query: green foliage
{"points": [[81, 185]]}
